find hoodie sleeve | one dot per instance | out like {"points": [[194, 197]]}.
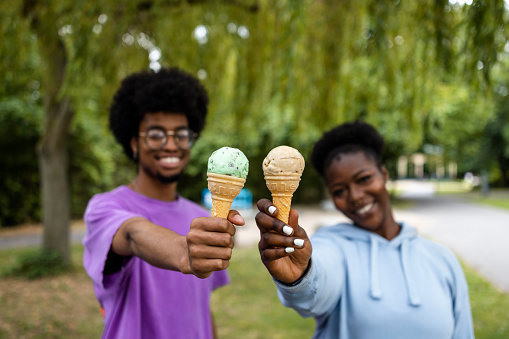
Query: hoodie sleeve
{"points": [[463, 324], [321, 288], [463, 318]]}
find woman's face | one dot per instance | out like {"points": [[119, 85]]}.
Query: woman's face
{"points": [[357, 187]]}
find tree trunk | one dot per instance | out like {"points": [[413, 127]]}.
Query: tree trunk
{"points": [[502, 165], [58, 115], [53, 167]]}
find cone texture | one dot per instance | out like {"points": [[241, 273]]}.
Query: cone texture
{"points": [[223, 188], [282, 188]]}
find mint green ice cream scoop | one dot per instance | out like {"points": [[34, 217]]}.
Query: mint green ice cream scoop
{"points": [[229, 161]]}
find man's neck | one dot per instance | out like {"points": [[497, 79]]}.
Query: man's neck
{"points": [[153, 188]]}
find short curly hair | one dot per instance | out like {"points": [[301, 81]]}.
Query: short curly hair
{"points": [[168, 90], [350, 137]]}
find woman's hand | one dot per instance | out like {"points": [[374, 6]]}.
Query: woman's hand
{"points": [[285, 249]]}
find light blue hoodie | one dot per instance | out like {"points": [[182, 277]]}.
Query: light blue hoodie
{"points": [[362, 286]]}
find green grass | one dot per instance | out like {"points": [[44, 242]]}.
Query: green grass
{"points": [[490, 307], [448, 187], [64, 306], [249, 308], [496, 198], [60, 306]]}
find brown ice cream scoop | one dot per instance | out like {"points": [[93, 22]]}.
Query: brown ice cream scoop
{"points": [[282, 168]]}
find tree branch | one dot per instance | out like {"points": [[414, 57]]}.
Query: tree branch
{"points": [[251, 5]]}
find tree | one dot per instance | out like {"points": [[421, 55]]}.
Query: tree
{"points": [[65, 64], [494, 148]]}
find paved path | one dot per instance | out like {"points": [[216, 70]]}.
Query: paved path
{"points": [[34, 238]]}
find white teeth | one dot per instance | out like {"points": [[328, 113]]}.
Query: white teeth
{"points": [[364, 209], [170, 160]]}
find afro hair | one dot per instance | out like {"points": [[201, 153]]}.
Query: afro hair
{"points": [[169, 90], [350, 137]]}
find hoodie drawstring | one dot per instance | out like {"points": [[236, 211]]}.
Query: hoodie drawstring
{"points": [[413, 299], [376, 292]]}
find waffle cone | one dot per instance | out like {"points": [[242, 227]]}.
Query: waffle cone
{"points": [[223, 188], [282, 188]]}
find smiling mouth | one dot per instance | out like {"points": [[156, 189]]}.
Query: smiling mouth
{"points": [[363, 210], [170, 160]]}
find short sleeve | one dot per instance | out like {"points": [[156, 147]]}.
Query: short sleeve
{"points": [[220, 278], [103, 217]]}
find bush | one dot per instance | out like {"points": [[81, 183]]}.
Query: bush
{"points": [[19, 173], [38, 264]]}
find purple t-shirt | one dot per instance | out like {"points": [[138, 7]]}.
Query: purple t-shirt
{"points": [[142, 301]]}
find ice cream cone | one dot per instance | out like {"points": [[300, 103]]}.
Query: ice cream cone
{"points": [[282, 168], [282, 188], [223, 188]]}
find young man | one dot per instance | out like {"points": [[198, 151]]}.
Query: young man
{"points": [[154, 256]]}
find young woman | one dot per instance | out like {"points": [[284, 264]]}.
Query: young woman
{"points": [[373, 277]]}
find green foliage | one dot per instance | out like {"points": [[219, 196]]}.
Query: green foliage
{"points": [[38, 264], [457, 124], [20, 60], [97, 163], [494, 147], [277, 73], [19, 177]]}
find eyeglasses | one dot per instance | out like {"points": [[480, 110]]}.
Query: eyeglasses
{"points": [[156, 138]]}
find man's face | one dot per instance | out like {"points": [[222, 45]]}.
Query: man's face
{"points": [[168, 163]]}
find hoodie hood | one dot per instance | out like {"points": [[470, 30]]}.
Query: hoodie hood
{"points": [[400, 243]]}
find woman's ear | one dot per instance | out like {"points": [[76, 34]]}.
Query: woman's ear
{"points": [[385, 173]]}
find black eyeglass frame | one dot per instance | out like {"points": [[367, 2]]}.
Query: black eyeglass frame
{"points": [[192, 137]]}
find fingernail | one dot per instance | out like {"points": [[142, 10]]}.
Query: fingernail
{"points": [[287, 230], [289, 249], [299, 242], [272, 209]]}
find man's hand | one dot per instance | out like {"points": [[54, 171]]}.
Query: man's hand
{"points": [[210, 244], [206, 248]]}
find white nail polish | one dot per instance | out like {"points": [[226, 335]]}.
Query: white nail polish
{"points": [[272, 209], [299, 242], [289, 249], [287, 230]]}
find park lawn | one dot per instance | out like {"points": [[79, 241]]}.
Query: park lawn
{"points": [[249, 307], [64, 306], [496, 198], [489, 307]]}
